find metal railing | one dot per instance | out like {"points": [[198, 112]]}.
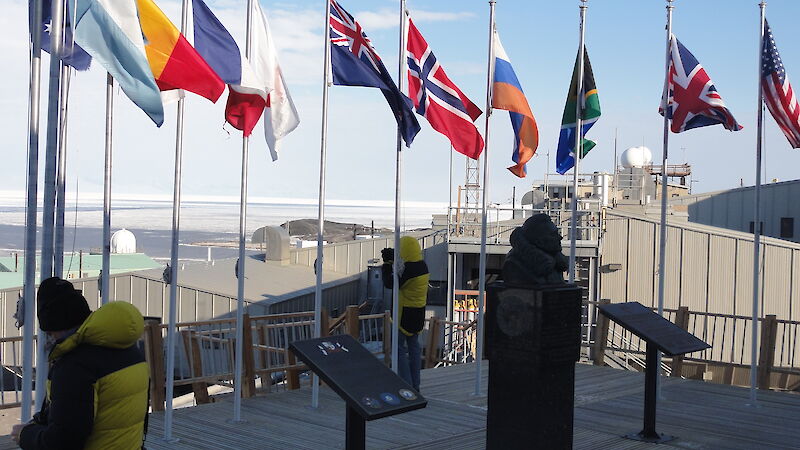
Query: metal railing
{"points": [[465, 223], [458, 343], [205, 350], [11, 376], [729, 337]]}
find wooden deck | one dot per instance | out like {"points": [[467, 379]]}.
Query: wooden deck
{"points": [[608, 404]]}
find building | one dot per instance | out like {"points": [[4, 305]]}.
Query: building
{"points": [[733, 209], [76, 265]]}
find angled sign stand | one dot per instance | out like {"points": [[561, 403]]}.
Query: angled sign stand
{"points": [[369, 388], [660, 335]]}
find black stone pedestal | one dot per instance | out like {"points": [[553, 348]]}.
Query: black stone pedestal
{"points": [[533, 343]]}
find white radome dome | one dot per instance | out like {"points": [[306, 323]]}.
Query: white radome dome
{"points": [[123, 241], [636, 157]]}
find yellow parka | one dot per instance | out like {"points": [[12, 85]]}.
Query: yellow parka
{"points": [[413, 295], [97, 387]]}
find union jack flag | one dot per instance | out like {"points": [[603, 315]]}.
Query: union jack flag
{"points": [[354, 62], [438, 99], [778, 93], [346, 32], [691, 98]]}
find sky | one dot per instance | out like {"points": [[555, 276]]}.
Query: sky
{"points": [[625, 40]]}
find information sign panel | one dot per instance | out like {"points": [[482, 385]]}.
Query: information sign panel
{"points": [[669, 338], [361, 380]]}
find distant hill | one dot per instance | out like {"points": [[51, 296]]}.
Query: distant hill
{"points": [[307, 229]]}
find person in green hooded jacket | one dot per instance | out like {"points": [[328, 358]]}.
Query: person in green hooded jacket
{"points": [[413, 296], [98, 378]]}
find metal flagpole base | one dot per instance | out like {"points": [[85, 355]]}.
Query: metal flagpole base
{"points": [[170, 440], [235, 422]]}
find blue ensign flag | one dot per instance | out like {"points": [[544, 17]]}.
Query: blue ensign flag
{"points": [[355, 63], [72, 54]]}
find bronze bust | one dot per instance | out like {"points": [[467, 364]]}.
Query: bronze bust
{"points": [[535, 256]]}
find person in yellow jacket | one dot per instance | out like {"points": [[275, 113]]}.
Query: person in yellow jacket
{"points": [[98, 378], [413, 297]]}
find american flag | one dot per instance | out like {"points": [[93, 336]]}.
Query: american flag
{"points": [[778, 93], [692, 100]]}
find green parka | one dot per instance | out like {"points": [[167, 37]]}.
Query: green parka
{"points": [[97, 387]]}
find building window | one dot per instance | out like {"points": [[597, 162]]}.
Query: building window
{"points": [[760, 227], [787, 227]]}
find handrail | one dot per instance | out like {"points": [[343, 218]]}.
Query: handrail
{"points": [[729, 338], [667, 370]]}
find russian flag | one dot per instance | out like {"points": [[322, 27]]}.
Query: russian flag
{"points": [[247, 96], [507, 94], [173, 60]]}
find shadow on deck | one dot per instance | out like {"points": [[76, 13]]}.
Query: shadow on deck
{"points": [[608, 404]]}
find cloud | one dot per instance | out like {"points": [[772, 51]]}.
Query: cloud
{"points": [[388, 18]]}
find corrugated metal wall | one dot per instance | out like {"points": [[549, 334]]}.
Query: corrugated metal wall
{"points": [[151, 297], [733, 209], [708, 270], [352, 257]]}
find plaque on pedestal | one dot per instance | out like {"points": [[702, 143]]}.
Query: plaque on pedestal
{"points": [[370, 389], [660, 335]]}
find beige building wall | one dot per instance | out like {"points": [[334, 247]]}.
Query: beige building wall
{"points": [[709, 270]]}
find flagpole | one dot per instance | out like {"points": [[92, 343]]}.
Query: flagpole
{"points": [[614, 180], [662, 245], [578, 146], [173, 260], [450, 279], [397, 198], [51, 153], [485, 201], [29, 286], [326, 75], [61, 177], [450, 195], [105, 273], [237, 380], [757, 219]]}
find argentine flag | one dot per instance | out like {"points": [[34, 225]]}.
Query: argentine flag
{"points": [[109, 31]]}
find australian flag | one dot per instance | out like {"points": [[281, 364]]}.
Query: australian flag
{"points": [[72, 54], [355, 63], [692, 100]]}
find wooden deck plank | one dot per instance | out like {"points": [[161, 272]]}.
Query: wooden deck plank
{"points": [[608, 404]]}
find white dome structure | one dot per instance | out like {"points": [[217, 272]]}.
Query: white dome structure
{"points": [[636, 157], [123, 241]]}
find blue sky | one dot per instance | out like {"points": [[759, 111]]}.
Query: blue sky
{"points": [[625, 40]]}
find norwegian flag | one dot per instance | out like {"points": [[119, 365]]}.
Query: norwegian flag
{"points": [[354, 62], [778, 93], [692, 100], [438, 99]]}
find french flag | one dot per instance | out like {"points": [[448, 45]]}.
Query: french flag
{"points": [[247, 95]]}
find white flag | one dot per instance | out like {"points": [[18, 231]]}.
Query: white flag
{"points": [[280, 116]]}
